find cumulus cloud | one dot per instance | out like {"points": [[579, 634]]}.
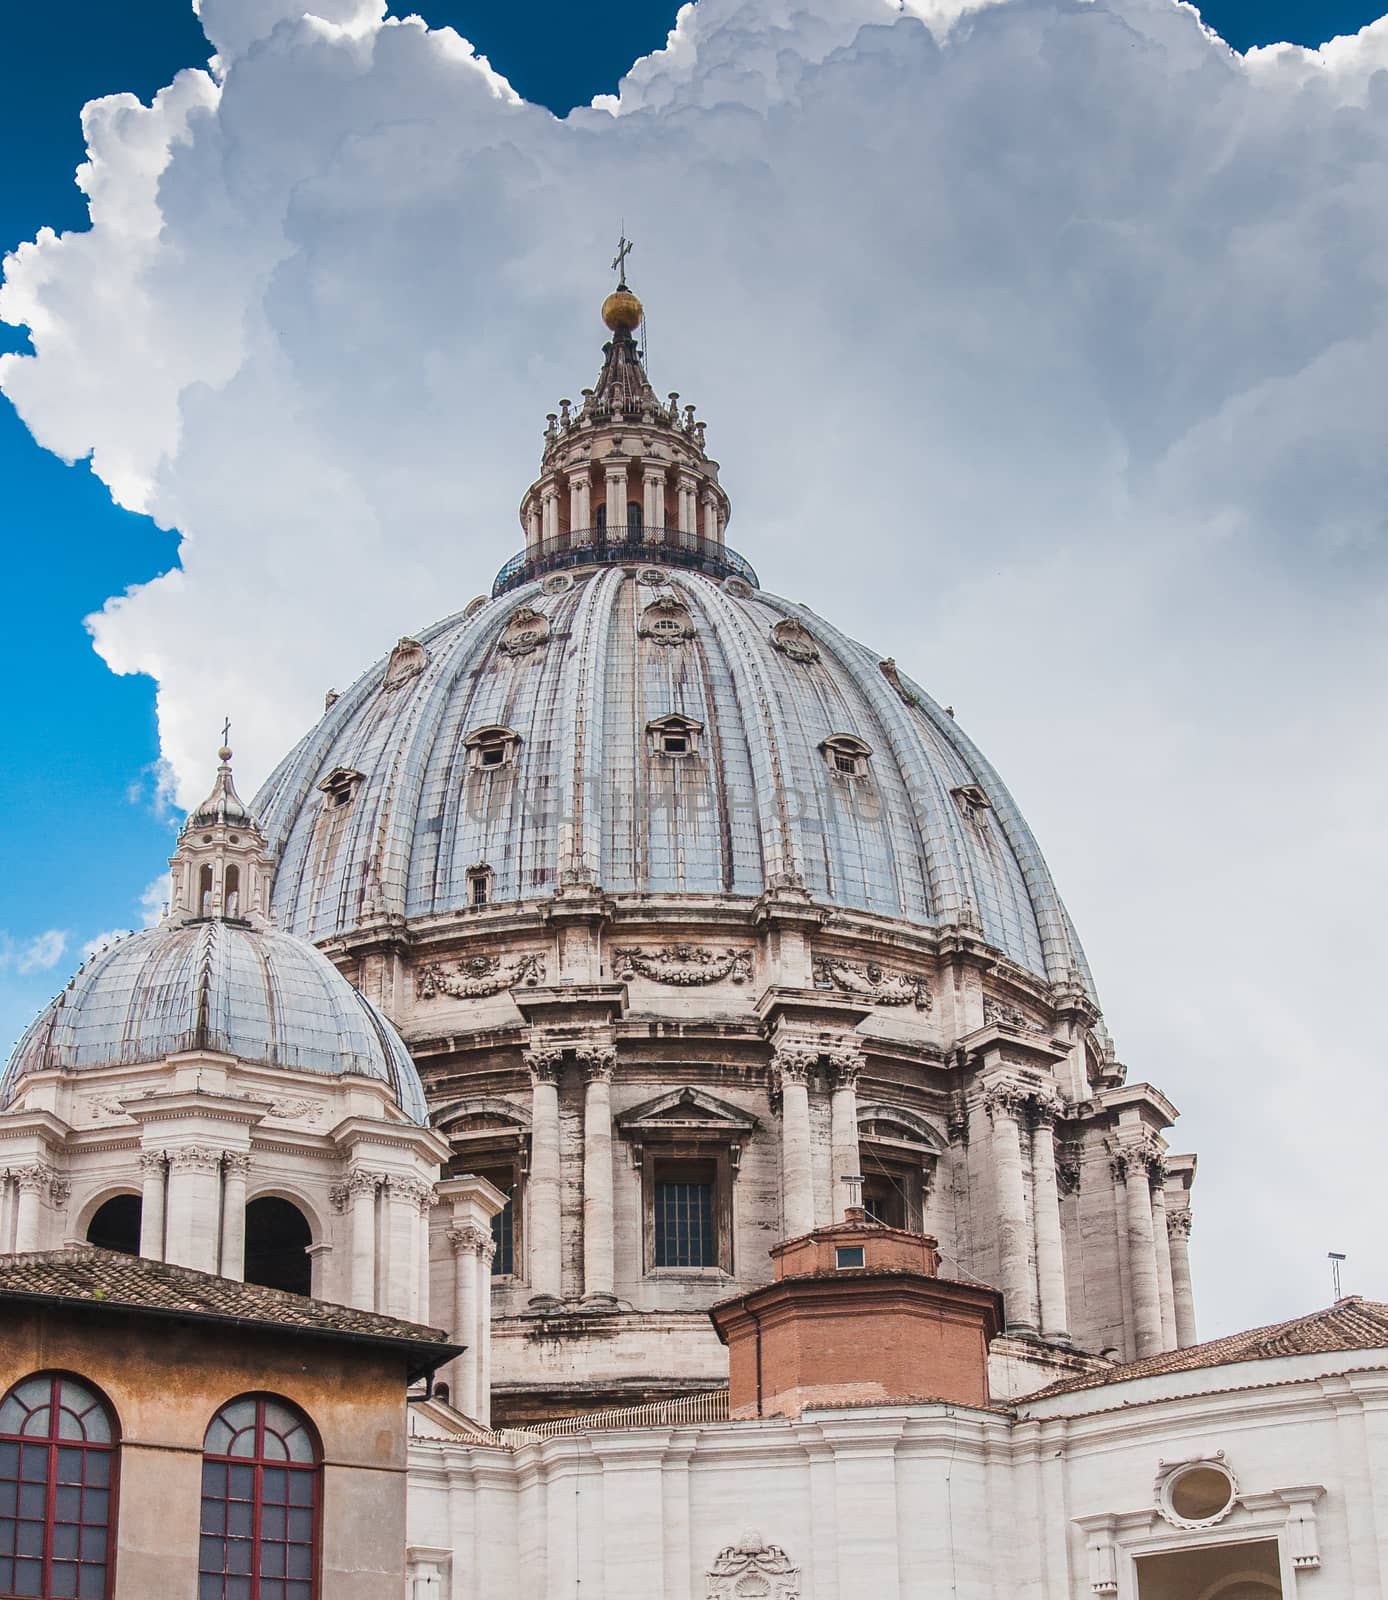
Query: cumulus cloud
{"points": [[1042, 345], [37, 954]]}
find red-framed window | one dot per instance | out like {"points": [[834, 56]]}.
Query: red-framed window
{"points": [[58, 1459], [261, 1492]]}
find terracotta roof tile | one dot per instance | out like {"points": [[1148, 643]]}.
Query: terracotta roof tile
{"points": [[1350, 1324], [84, 1275]]}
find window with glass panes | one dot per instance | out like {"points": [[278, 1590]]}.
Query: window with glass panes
{"points": [[57, 1474], [260, 1489], [685, 1228]]}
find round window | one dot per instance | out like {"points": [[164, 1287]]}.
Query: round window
{"points": [[1199, 1494], [650, 576], [557, 583], [738, 588]]}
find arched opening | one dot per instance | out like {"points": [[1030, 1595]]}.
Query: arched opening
{"points": [[634, 518], [231, 896], [600, 520], [115, 1225], [205, 891], [277, 1241]]}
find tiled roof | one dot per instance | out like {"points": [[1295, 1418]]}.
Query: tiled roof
{"points": [[86, 1276], [1350, 1324]]}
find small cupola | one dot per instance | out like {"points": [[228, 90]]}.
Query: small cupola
{"points": [[222, 866], [857, 1315]]}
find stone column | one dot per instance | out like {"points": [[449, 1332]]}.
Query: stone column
{"points": [[1166, 1297], [533, 532], [597, 1063], [791, 1068], [1131, 1169], [1182, 1294], [30, 1182], [236, 1167], [427, 1203], [401, 1287], [710, 508], [472, 1255], [1045, 1199], [544, 1216], [616, 502], [361, 1198], [843, 1127], [1005, 1104], [688, 505], [654, 509], [549, 512], [192, 1216], [153, 1168], [579, 512]]}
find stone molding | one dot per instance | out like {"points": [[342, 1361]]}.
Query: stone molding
{"points": [[412, 1191], [869, 980], [682, 965], [753, 1567], [476, 977]]}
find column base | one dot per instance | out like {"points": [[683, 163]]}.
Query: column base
{"points": [[598, 1302], [544, 1304]]}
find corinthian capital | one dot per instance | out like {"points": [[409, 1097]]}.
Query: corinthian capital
{"points": [[236, 1163], [542, 1062], [793, 1063], [1007, 1099], [195, 1158], [469, 1239], [1178, 1224], [153, 1161], [846, 1064], [597, 1061], [33, 1180]]}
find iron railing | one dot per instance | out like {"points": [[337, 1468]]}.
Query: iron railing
{"points": [[634, 544]]}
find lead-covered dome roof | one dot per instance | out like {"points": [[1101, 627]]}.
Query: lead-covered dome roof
{"points": [[535, 741], [252, 992]]}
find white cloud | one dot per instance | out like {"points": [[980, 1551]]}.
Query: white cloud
{"points": [[36, 954], [1042, 346]]}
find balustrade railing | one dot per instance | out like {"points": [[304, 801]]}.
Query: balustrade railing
{"points": [[633, 543]]}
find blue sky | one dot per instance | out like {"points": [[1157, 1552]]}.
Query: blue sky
{"points": [[1216, 354]]}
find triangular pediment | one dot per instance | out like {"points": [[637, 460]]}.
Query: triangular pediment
{"points": [[686, 1107]]}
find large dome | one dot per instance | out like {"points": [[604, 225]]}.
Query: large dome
{"points": [[255, 993], [524, 741]]}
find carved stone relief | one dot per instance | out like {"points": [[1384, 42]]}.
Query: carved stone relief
{"points": [[795, 640], [752, 1569], [999, 1014], [682, 965], [477, 976], [408, 659], [666, 621], [526, 630], [872, 981]]}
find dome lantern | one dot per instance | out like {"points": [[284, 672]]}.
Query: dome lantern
{"points": [[624, 476], [221, 867]]}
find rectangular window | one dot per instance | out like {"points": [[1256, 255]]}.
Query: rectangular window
{"points": [[685, 1232], [884, 1200], [503, 1223], [848, 1255]]}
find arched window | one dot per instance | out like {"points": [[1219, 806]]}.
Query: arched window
{"points": [[634, 518], [260, 1497], [57, 1478], [205, 891], [277, 1241], [231, 897], [115, 1225]]}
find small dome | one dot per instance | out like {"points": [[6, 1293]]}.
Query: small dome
{"points": [[255, 993], [621, 311]]}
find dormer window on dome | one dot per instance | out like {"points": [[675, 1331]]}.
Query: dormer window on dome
{"points": [[340, 786], [491, 748], [847, 756], [674, 736], [480, 879]]}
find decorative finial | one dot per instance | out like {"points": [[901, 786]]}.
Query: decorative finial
{"points": [[621, 311], [619, 261], [224, 754]]}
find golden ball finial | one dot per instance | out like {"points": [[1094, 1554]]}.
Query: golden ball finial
{"points": [[621, 311]]}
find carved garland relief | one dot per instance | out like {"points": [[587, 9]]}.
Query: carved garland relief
{"points": [[526, 630], [474, 977], [872, 981], [752, 1569], [682, 965]]}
